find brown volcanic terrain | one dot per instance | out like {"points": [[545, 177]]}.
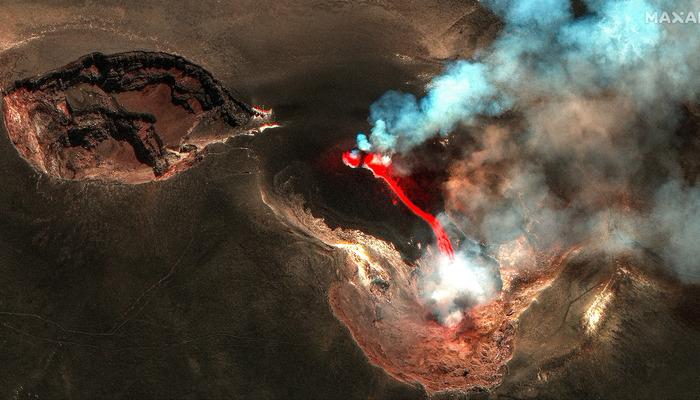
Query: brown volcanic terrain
{"points": [[129, 117], [563, 321], [191, 287]]}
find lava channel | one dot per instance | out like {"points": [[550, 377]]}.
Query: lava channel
{"points": [[380, 165]]}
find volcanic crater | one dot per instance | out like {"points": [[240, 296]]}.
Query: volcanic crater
{"points": [[129, 117]]}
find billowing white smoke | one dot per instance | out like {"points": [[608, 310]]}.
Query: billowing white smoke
{"points": [[589, 145], [459, 284]]}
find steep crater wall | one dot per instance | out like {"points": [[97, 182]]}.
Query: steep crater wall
{"points": [[129, 117]]}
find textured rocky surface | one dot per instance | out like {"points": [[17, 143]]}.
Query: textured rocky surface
{"points": [[129, 117], [571, 327], [193, 288], [378, 299]]}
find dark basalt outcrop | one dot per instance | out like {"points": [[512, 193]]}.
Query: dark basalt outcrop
{"points": [[130, 117]]}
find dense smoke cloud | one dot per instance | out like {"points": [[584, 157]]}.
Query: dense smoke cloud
{"points": [[589, 146], [677, 214], [459, 95]]}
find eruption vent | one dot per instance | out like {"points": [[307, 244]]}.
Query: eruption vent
{"points": [[380, 165], [570, 125]]}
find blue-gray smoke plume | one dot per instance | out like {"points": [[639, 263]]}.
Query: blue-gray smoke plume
{"points": [[543, 51], [599, 99], [401, 121]]}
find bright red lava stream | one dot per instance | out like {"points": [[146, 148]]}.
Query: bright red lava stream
{"points": [[381, 168]]}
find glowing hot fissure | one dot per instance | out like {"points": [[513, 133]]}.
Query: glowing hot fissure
{"points": [[380, 166]]}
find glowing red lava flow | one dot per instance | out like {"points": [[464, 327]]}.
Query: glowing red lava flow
{"points": [[381, 168]]}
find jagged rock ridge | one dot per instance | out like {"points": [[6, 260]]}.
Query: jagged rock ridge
{"points": [[130, 117]]}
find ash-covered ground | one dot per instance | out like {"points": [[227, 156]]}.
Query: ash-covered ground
{"points": [[205, 285]]}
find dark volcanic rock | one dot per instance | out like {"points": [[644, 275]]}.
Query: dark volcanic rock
{"points": [[130, 117]]}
